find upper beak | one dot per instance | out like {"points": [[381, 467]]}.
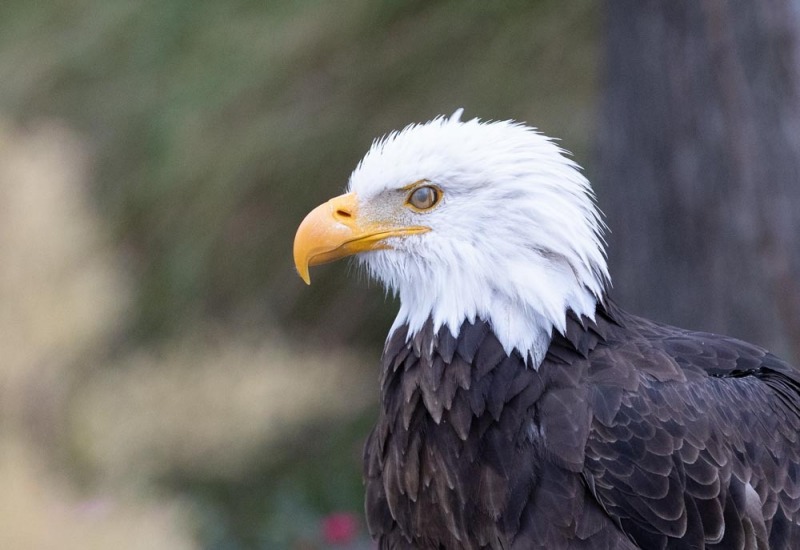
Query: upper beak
{"points": [[334, 230]]}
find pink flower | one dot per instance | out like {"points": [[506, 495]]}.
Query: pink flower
{"points": [[339, 528]]}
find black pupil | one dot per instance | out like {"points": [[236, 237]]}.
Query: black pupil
{"points": [[424, 197]]}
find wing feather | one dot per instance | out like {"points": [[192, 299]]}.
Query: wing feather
{"points": [[702, 452]]}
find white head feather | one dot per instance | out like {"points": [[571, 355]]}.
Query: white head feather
{"points": [[516, 239]]}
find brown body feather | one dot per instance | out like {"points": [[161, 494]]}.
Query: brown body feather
{"points": [[630, 434]]}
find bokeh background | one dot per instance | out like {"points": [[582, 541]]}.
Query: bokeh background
{"points": [[166, 379]]}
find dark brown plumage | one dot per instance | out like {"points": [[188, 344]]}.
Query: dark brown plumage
{"points": [[612, 432], [630, 434]]}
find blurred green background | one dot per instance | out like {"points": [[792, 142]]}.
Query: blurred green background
{"points": [[168, 381]]}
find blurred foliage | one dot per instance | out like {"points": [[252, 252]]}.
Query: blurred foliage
{"points": [[205, 131], [282, 503], [218, 125]]}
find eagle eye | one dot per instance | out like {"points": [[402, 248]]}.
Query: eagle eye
{"points": [[424, 197]]}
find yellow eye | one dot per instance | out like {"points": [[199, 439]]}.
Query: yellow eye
{"points": [[424, 198]]}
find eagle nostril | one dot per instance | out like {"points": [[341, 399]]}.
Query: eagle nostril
{"points": [[340, 213]]}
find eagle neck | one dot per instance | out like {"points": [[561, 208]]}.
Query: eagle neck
{"points": [[519, 326]]}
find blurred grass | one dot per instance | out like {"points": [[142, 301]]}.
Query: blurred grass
{"points": [[217, 126], [41, 511], [166, 372], [161, 445], [64, 295]]}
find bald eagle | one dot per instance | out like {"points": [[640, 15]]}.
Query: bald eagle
{"points": [[520, 407]]}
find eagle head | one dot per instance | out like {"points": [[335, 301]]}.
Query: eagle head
{"points": [[469, 220]]}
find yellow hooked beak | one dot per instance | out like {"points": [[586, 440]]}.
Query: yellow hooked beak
{"points": [[334, 230]]}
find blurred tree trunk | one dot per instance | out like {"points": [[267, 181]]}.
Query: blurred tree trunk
{"points": [[699, 164]]}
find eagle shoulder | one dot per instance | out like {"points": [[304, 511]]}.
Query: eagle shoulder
{"points": [[694, 438]]}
